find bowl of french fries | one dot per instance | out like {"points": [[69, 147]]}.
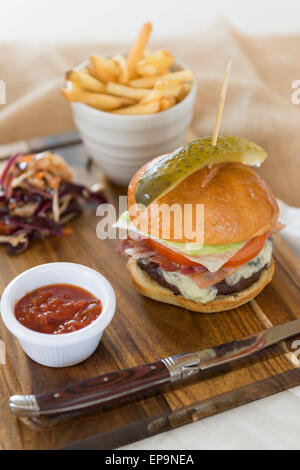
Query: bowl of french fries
{"points": [[130, 108]]}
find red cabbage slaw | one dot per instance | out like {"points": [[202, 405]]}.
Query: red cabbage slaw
{"points": [[37, 199]]}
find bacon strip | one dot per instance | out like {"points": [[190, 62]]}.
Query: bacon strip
{"points": [[277, 227], [206, 278], [164, 263], [198, 274], [135, 248]]}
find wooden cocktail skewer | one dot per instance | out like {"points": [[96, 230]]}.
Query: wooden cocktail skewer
{"points": [[221, 104]]}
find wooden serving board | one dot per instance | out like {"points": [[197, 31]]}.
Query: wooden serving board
{"points": [[143, 331]]}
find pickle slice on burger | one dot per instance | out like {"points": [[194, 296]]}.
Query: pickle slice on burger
{"points": [[167, 172]]}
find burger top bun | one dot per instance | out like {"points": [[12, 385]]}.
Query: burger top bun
{"points": [[238, 203]]}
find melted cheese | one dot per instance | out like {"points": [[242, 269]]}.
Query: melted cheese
{"points": [[188, 288], [257, 263], [191, 291]]}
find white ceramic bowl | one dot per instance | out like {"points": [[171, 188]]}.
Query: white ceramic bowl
{"points": [[122, 144], [66, 349]]}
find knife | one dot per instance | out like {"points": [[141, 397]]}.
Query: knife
{"points": [[111, 388], [38, 144]]}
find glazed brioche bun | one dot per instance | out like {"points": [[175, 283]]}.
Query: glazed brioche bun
{"points": [[238, 203], [152, 289]]}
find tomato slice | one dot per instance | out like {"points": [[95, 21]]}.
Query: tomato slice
{"points": [[248, 252], [168, 253], [245, 254]]}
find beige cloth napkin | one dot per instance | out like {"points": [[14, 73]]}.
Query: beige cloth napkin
{"points": [[258, 104]]}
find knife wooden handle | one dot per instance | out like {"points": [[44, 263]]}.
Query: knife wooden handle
{"points": [[103, 390]]}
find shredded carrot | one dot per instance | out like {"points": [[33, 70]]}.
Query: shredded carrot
{"points": [[55, 183], [26, 158], [40, 175], [4, 228], [67, 231]]}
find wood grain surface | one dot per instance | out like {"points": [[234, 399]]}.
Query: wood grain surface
{"points": [[144, 331]]}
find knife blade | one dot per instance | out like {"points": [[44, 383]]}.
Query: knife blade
{"points": [[38, 144], [117, 386]]}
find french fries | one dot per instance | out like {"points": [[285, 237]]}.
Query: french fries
{"points": [[166, 102], [155, 64], [137, 50], [85, 81], [104, 69], [121, 62], [149, 82], [148, 108], [126, 91], [141, 83], [185, 89], [161, 90], [96, 100]]}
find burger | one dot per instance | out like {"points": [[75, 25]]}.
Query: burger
{"points": [[231, 261]]}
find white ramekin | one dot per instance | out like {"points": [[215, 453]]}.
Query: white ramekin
{"points": [[122, 144], [66, 349]]}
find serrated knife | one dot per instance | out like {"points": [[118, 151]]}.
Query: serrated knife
{"points": [[114, 387]]}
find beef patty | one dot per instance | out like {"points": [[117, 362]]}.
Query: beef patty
{"points": [[152, 269]]}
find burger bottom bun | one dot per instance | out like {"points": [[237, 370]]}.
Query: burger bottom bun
{"points": [[152, 289]]}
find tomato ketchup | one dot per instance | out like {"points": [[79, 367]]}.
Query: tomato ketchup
{"points": [[57, 309]]}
